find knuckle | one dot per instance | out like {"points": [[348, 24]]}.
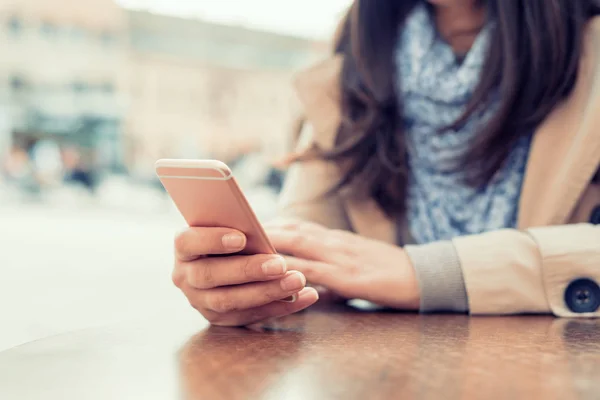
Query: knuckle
{"points": [[180, 242], [221, 303], [353, 269], [248, 267], [298, 240], [305, 226], [199, 276], [196, 305], [213, 318], [274, 295], [338, 233], [333, 242], [253, 317], [191, 276], [290, 224], [205, 275], [217, 321], [299, 225], [341, 241], [310, 270], [220, 320], [177, 277]]}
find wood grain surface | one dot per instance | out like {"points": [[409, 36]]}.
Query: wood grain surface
{"points": [[330, 352]]}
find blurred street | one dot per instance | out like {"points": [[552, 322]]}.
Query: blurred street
{"points": [[91, 95], [75, 261]]}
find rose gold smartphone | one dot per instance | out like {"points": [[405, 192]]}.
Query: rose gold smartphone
{"points": [[207, 195]]}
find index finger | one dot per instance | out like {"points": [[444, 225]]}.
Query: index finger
{"points": [[296, 243], [194, 243]]}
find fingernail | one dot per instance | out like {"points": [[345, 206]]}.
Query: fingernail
{"points": [[233, 241], [274, 267], [291, 299], [292, 282]]}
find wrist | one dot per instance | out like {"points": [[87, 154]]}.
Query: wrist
{"points": [[400, 288], [413, 294]]}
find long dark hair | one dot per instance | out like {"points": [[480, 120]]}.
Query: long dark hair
{"points": [[533, 61]]}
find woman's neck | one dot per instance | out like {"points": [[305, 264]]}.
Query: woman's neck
{"points": [[459, 23]]}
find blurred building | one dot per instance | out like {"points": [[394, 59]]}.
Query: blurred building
{"points": [[204, 90], [127, 87], [62, 75]]}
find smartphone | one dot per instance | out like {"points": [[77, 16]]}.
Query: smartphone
{"points": [[207, 195]]}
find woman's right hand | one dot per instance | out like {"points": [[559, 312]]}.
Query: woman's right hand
{"points": [[235, 290]]}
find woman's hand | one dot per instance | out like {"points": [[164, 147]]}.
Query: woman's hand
{"points": [[235, 290], [349, 265]]}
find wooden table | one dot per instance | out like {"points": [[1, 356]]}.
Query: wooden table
{"points": [[327, 353]]}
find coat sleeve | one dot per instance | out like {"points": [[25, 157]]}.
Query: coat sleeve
{"points": [[542, 270]]}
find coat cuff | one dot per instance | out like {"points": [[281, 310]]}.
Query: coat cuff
{"points": [[439, 274], [502, 272], [569, 255]]}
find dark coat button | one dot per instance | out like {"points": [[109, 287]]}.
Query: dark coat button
{"points": [[595, 217], [583, 296]]}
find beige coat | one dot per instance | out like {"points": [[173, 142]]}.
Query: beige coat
{"points": [[524, 270]]}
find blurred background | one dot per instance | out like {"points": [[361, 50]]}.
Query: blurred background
{"points": [[92, 93]]}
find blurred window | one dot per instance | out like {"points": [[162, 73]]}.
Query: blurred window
{"points": [[137, 88], [17, 83], [276, 58], [45, 88], [15, 25], [107, 87], [49, 29], [77, 33], [108, 38], [80, 87]]}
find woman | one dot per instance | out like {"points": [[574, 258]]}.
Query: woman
{"points": [[449, 163]]}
